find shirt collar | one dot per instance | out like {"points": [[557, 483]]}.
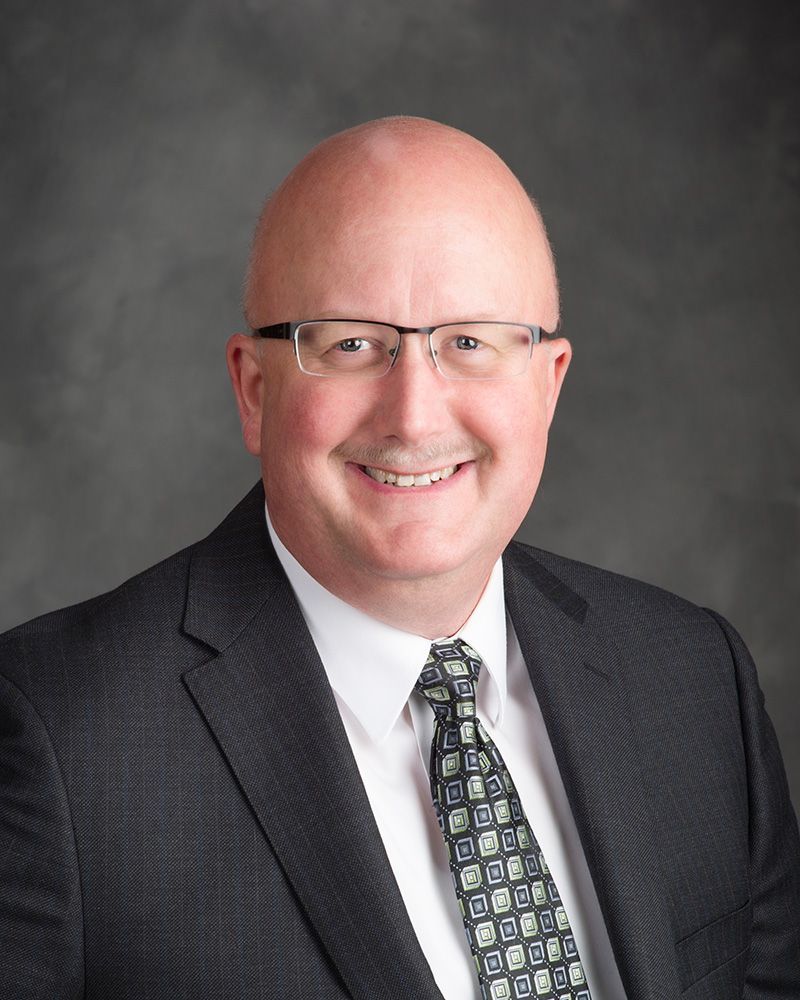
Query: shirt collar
{"points": [[373, 667]]}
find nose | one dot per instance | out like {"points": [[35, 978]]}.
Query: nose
{"points": [[413, 402]]}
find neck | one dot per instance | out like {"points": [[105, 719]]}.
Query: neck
{"points": [[434, 606]]}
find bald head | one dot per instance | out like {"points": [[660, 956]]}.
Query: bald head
{"points": [[383, 217], [413, 224]]}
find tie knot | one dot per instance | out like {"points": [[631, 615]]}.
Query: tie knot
{"points": [[449, 679]]}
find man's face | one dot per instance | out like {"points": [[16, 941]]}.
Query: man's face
{"points": [[411, 257]]}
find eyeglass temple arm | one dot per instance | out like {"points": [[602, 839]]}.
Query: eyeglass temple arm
{"points": [[276, 331]]}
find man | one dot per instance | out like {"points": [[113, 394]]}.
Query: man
{"points": [[358, 743]]}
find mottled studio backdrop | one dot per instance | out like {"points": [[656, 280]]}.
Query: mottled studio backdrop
{"points": [[662, 142]]}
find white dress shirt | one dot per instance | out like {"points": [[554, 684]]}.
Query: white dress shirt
{"points": [[390, 729]]}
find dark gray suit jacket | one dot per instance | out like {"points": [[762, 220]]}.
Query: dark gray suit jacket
{"points": [[181, 816]]}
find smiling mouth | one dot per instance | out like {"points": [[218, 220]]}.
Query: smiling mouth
{"points": [[405, 479]]}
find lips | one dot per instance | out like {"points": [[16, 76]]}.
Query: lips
{"points": [[403, 480]]}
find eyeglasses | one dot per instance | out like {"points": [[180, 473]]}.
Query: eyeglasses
{"points": [[357, 348]]}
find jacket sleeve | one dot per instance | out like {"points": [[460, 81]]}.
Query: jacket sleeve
{"points": [[773, 966], [41, 926]]}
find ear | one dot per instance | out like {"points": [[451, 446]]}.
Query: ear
{"points": [[244, 367], [559, 357]]}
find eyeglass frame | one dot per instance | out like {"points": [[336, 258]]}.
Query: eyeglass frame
{"points": [[288, 331]]}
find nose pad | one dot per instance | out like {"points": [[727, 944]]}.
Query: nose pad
{"points": [[430, 353]]}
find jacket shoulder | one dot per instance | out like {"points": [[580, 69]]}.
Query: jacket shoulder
{"points": [[121, 598], [146, 606], [138, 626], [623, 602]]}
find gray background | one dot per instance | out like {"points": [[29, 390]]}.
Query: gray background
{"points": [[662, 142]]}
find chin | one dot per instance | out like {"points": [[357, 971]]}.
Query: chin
{"points": [[419, 558]]}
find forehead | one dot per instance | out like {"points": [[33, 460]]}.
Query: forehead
{"points": [[410, 239]]}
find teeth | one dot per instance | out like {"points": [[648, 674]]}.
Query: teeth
{"points": [[405, 479]]}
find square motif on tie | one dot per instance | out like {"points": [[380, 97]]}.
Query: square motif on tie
{"points": [[475, 790], [522, 897], [502, 811], [494, 786], [528, 924], [488, 843], [500, 990], [536, 953], [450, 764], [515, 957], [553, 949], [522, 986], [515, 868], [508, 928], [478, 906], [576, 976], [454, 792], [471, 762], [494, 872], [542, 980], [471, 878], [501, 900], [483, 815], [485, 934], [492, 962], [465, 849], [459, 820]]}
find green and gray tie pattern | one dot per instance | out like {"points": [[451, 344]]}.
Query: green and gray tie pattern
{"points": [[515, 922]]}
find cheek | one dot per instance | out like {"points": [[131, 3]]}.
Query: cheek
{"points": [[304, 424], [514, 426]]}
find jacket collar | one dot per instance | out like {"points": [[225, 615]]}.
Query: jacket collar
{"points": [[579, 678], [266, 697]]}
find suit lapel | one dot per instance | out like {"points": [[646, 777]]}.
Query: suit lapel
{"points": [[266, 698], [577, 677]]}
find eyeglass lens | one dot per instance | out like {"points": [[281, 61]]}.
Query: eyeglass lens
{"points": [[367, 350]]}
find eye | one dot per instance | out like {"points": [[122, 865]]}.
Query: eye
{"points": [[467, 343], [352, 345]]}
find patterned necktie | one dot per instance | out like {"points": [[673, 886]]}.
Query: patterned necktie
{"points": [[516, 925]]}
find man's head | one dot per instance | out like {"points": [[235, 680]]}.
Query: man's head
{"points": [[412, 223]]}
